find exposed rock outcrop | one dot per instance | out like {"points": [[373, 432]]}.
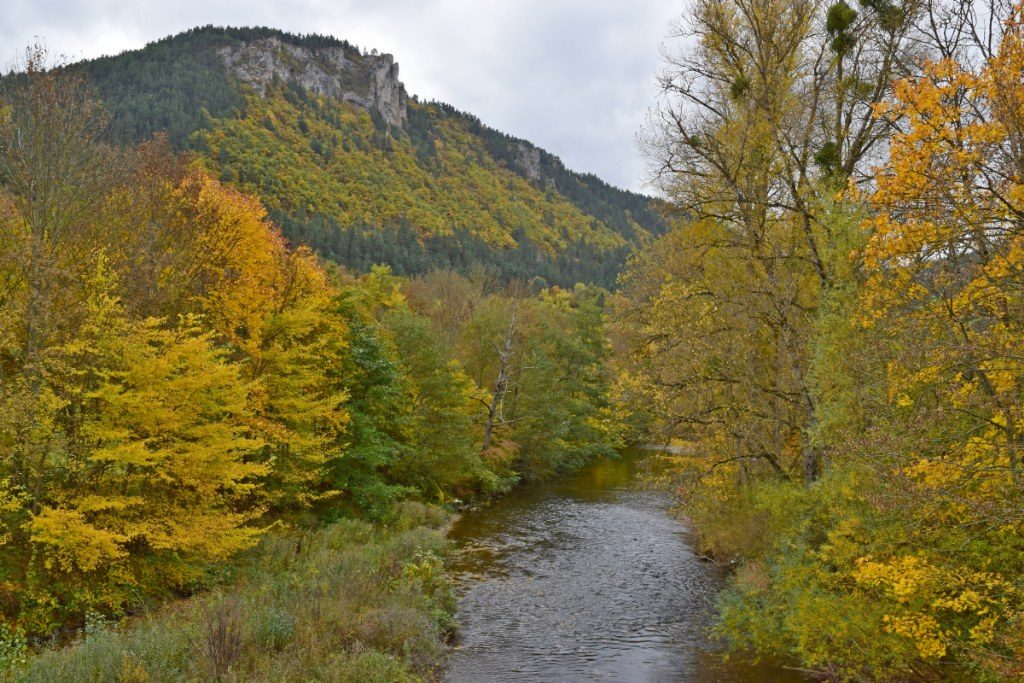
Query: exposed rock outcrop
{"points": [[388, 92], [369, 81], [528, 161]]}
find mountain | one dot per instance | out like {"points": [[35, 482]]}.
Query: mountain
{"points": [[347, 162]]}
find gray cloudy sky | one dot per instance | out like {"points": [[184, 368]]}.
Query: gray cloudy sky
{"points": [[573, 76]]}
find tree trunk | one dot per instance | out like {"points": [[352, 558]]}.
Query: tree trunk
{"points": [[501, 383]]}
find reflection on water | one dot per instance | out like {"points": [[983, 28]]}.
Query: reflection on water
{"points": [[586, 578]]}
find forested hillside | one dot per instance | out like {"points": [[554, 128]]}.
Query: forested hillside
{"points": [[346, 164]]}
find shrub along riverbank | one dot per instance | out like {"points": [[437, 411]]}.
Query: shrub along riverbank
{"points": [[350, 601]]}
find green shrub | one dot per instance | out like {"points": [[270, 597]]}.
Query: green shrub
{"points": [[348, 602]]}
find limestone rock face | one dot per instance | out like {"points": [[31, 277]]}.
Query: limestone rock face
{"points": [[528, 160], [369, 81], [388, 92]]}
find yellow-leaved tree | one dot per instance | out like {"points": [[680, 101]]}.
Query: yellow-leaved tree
{"points": [[275, 309], [146, 434], [945, 282]]}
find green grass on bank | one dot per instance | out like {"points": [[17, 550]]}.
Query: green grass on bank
{"points": [[347, 602]]}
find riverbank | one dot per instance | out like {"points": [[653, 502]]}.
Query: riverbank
{"points": [[587, 576], [349, 602]]}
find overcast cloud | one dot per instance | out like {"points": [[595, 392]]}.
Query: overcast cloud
{"points": [[573, 76]]}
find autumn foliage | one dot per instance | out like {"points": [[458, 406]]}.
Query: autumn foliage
{"points": [[863, 310], [176, 379]]}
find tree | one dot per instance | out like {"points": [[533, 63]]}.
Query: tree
{"points": [[53, 177], [380, 429], [767, 115], [559, 415], [275, 309], [147, 442], [503, 381], [945, 264], [444, 458]]}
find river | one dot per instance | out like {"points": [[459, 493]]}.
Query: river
{"points": [[586, 578]]}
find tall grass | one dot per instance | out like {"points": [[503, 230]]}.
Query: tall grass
{"points": [[348, 602]]}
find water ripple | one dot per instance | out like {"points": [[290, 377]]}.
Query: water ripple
{"points": [[585, 579]]}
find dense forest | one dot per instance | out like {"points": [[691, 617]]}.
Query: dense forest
{"points": [[832, 335], [338, 178], [180, 388]]}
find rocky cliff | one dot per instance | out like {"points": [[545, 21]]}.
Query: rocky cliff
{"points": [[528, 161], [366, 80]]}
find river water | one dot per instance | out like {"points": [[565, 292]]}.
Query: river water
{"points": [[586, 578]]}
